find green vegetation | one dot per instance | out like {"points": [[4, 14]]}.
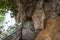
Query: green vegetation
{"points": [[1, 20], [9, 5]]}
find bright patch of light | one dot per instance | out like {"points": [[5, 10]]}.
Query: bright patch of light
{"points": [[9, 24], [9, 21]]}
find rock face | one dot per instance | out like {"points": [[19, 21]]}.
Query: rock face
{"points": [[39, 16], [28, 31], [38, 20], [52, 23], [51, 32]]}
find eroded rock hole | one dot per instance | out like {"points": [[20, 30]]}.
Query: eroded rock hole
{"points": [[29, 18], [58, 14], [47, 1]]}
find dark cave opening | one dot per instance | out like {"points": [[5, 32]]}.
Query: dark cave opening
{"points": [[28, 18], [47, 1], [58, 14]]}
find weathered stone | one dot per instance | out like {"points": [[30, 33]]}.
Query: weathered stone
{"points": [[52, 25], [37, 15], [27, 33]]}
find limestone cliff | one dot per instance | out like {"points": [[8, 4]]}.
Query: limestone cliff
{"points": [[40, 19]]}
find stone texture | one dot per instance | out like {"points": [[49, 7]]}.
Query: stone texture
{"points": [[52, 23], [42, 16]]}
